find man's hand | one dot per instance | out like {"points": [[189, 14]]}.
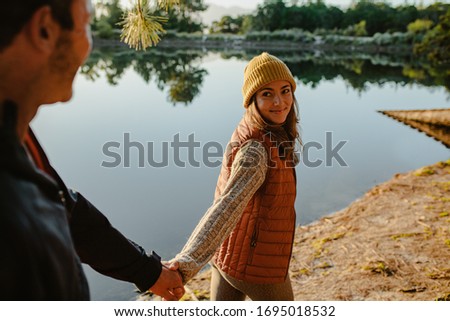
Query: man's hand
{"points": [[169, 285]]}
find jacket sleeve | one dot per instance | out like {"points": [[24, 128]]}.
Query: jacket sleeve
{"points": [[96, 242], [106, 250]]}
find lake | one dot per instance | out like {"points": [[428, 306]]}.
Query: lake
{"points": [[134, 106]]}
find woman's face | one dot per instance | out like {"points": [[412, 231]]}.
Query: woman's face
{"points": [[274, 101]]}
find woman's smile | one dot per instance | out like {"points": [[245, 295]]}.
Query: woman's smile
{"points": [[278, 111]]}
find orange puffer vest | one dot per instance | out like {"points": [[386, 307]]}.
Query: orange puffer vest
{"points": [[259, 248]]}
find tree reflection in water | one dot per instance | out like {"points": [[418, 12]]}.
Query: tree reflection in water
{"points": [[181, 70]]}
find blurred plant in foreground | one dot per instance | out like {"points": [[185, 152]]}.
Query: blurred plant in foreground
{"points": [[141, 29]]}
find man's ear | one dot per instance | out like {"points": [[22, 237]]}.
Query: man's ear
{"points": [[43, 30]]}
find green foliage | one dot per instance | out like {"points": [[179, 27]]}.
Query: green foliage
{"points": [[276, 15], [143, 26], [270, 15], [108, 14], [227, 24], [180, 71], [104, 30], [357, 30], [114, 12], [379, 16], [434, 11], [247, 22], [420, 26], [403, 16], [360, 29], [183, 18], [185, 85], [435, 45]]}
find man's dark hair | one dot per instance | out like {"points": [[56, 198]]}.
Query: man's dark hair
{"points": [[16, 13]]}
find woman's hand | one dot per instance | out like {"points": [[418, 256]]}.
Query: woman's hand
{"points": [[177, 292], [169, 285]]}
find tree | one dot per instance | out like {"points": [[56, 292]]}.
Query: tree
{"points": [[114, 12], [357, 30], [379, 17], [178, 71], [107, 17], [435, 45], [185, 86], [276, 15], [185, 17], [270, 16], [420, 26], [103, 29], [247, 23], [404, 15], [434, 11], [227, 24]]}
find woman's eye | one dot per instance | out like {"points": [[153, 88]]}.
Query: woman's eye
{"points": [[266, 94], [286, 91]]}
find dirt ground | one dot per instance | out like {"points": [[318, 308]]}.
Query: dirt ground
{"points": [[391, 244]]}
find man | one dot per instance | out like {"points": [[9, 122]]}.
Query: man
{"points": [[46, 229]]}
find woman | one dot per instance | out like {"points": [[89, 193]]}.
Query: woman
{"points": [[249, 230]]}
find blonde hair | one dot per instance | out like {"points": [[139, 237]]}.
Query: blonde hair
{"points": [[286, 136]]}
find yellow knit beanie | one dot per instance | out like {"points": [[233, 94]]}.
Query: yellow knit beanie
{"points": [[262, 70]]}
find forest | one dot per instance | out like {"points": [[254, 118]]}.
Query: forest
{"points": [[424, 30]]}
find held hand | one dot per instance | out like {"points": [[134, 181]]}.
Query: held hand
{"points": [[169, 285], [173, 266]]}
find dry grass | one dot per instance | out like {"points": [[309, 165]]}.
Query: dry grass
{"points": [[392, 244]]}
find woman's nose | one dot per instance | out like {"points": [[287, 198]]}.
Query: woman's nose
{"points": [[276, 99]]}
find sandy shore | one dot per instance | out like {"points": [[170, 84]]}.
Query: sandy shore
{"points": [[391, 244]]}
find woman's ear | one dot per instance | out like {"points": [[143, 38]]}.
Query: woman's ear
{"points": [[43, 31]]}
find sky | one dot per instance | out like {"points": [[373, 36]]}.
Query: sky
{"points": [[251, 4]]}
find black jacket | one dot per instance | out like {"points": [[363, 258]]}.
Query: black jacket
{"points": [[46, 230]]}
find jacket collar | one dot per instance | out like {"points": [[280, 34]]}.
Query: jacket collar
{"points": [[14, 158]]}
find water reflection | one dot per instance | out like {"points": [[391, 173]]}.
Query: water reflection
{"points": [[180, 70], [358, 69], [433, 123]]}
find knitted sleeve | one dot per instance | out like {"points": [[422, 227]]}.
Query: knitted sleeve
{"points": [[248, 173]]}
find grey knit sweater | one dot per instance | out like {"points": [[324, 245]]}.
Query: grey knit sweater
{"points": [[248, 172]]}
